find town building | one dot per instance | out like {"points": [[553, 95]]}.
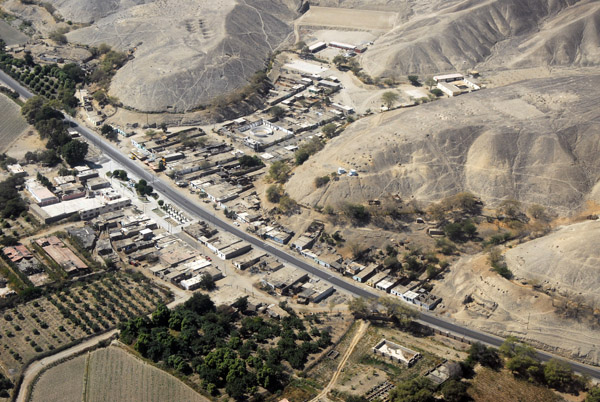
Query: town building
{"points": [[40, 194], [62, 255]]}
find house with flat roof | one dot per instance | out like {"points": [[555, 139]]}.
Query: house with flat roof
{"points": [[395, 352], [387, 283], [366, 273], [226, 245], [378, 277], [284, 279], [62, 255], [40, 194]]}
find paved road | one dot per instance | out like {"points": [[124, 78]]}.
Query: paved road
{"points": [[195, 209]]}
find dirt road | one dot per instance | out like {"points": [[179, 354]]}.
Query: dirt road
{"points": [[357, 337]]}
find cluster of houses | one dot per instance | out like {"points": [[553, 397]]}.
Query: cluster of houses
{"points": [[83, 193], [301, 94]]}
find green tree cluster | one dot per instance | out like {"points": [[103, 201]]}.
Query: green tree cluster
{"points": [[49, 123], [225, 349], [461, 231], [143, 188], [11, 203], [5, 386], [357, 213], [247, 161]]}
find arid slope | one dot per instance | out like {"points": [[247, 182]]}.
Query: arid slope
{"points": [[185, 52], [459, 35], [535, 141]]}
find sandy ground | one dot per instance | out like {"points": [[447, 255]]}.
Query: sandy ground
{"points": [[10, 35], [509, 308], [348, 18]]}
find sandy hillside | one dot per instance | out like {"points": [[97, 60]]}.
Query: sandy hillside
{"points": [[508, 308], [535, 141], [186, 52], [567, 259], [439, 36]]}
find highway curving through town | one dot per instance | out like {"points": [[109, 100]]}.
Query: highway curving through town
{"points": [[194, 208]]}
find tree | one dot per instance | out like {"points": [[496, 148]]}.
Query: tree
{"points": [[74, 72], [207, 282], [74, 152], [486, 356], [356, 212], [58, 36], [279, 172], [321, 181], [419, 389], [106, 129], [510, 208], [247, 161], [430, 82], [274, 193], [558, 373], [593, 394], [414, 80], [277, 112], [455, 391], [538, 212], [389, 98], [395, 308], [359, 307], [437, 92], [160, 316], [329, 130]]}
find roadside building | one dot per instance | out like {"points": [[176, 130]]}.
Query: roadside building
{"points": [[284, 279], [366, 274]]}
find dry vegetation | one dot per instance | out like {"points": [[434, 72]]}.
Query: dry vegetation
{"points": [[488, 385], [57, 320]]}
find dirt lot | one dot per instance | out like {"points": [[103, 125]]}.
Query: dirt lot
{"points": [[348, 18], [11, 35]]}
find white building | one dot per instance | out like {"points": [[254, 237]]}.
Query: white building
{"points": [[41, 194]]}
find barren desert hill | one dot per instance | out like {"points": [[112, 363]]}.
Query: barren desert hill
{"points": [[185, 52], [92, 10], [535, 141], [567, 259], [491, 34]]}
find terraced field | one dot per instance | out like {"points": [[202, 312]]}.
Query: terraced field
{"points": [[110, 374], [12, 124]]}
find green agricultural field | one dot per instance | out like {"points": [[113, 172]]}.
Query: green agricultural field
{"points": [[110, 374], [12, 124]]}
